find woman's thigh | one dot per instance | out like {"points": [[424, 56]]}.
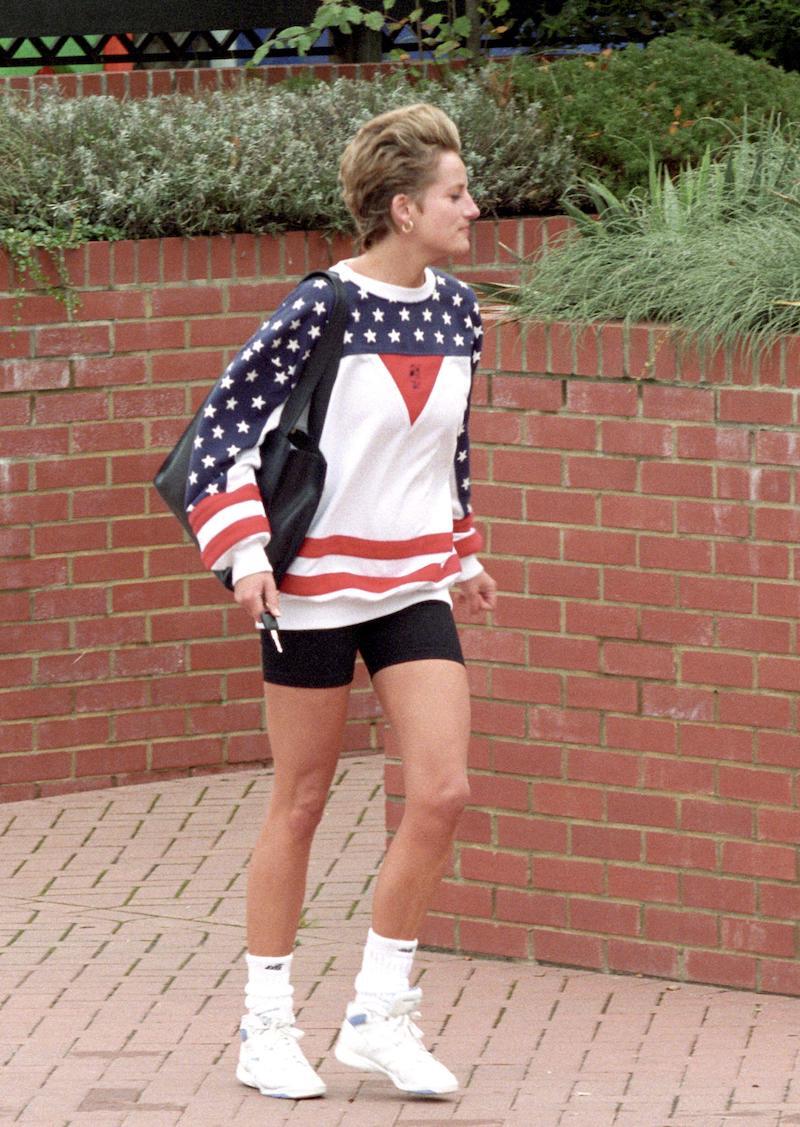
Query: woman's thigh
{"points": [[427, 706], [305, 728]]}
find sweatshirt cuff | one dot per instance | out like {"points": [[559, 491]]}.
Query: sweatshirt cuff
{"points": [[249, 559], [470, 567]]}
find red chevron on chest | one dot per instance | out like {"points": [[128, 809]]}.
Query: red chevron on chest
{"points": [[414, 377]]}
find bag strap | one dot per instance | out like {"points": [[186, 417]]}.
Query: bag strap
{"points": [[316, 382]]}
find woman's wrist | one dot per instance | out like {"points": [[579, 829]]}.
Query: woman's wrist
{"points": [[470, 567], [250, 559]]}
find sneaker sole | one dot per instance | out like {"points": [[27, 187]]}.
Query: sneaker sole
{"points": [[353, 1060], [244, 1077]]}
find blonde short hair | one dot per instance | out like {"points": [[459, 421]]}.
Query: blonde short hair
{"points": [[394, 153]]}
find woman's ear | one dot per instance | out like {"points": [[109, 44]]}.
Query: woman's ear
{"points": [[400, 210]]}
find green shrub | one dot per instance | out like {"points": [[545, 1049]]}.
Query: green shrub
{"points": [[257, 159], [715, 252], [674, 97], [764, 29]]}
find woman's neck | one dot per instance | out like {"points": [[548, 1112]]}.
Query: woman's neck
{"points": [[389, 261]]}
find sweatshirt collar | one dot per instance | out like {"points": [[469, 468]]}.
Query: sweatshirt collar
{"points": [[385, 289]]}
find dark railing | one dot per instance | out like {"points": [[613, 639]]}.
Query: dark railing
{"points": [[37, 34], [77, 33], [178, 49]]}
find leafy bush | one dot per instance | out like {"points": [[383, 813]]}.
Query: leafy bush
{"points": [[256, 159], [764, 29], [700, 252], [674, 97]]}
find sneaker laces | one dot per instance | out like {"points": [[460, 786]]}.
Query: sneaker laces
{"points": [[400, 1021], [286, 1033]]}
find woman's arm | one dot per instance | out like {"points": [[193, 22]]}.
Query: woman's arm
{"points": [[467, 540], [222, 498]]}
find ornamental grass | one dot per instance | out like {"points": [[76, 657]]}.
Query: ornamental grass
{"points": [[713, 252]]}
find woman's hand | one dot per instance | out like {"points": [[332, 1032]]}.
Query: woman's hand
{"points": [[257, 593], [480, 592]]}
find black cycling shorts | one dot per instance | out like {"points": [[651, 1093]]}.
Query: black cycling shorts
{"points": [[324, 659]]}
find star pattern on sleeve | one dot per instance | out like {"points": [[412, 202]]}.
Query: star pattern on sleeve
{"points": [[257, 381]]}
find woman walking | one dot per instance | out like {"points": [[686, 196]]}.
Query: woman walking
{"points": [[392, 534]]}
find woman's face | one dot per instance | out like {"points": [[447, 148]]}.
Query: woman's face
{"points": [[443, 217]]}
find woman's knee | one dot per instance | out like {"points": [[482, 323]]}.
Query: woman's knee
{"points": [[442, 802], [300, 813]]}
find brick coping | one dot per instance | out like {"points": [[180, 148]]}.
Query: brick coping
{"points": [[497, 244], [198, 80]]}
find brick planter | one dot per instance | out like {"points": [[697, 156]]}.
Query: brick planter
{"points": [[635, 755]]}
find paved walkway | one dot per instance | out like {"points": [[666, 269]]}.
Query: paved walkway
{"points": [[121, 981]]}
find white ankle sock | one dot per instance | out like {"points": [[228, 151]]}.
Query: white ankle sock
{"points": [[385, 969], [268, 989]]}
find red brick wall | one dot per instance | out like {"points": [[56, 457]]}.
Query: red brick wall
{"points": [[635, 756], [191, 80], [120, 660]]}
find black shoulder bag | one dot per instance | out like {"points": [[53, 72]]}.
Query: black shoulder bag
{"points": [[292, 472]]}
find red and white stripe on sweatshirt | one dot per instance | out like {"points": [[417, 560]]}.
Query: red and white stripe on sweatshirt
{"points": [[394, 525]]}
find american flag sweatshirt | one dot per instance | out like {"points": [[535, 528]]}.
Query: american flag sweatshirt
{"points": [[394, 526]]}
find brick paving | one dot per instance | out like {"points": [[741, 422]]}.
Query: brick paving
{"points": [[121, 982]]}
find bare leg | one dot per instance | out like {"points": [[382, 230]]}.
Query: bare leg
{"points": [[305, 731], [427, 705]]}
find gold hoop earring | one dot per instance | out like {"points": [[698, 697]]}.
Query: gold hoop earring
{"points": [[407, 227]]}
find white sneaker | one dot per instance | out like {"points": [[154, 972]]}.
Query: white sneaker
{"points": [[271, 1060], [391, 1043]]}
